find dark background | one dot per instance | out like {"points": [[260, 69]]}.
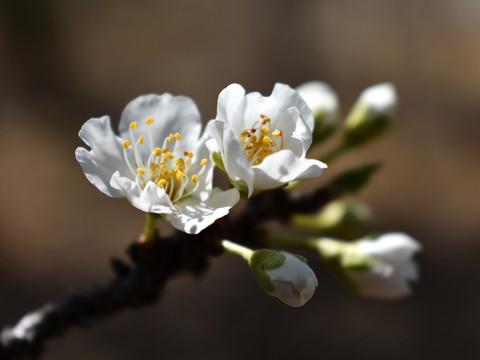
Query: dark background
{"points": [[62, 62]]}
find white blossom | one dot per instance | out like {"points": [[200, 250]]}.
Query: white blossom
{"points": [[261, 142], [159, 162]]}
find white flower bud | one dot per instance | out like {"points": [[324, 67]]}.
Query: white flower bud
{"points": [[323, 102], [371, 114], [391, 266], [284, 276]]}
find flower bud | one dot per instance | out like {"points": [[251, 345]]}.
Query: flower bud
{"points": [[377, 268], [343, 218], [323, 102], [284, 276], [371, 114]]}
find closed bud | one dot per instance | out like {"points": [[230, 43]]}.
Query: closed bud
{"points": [[323, 102], [371, 114], [284, 276]]}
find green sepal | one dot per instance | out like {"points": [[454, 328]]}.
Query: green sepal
{"points": [[263, 260], [217, 159], [321, 131]]}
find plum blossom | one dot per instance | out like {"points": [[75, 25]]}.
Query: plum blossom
{"points": [[159, 162], [261, 142]]}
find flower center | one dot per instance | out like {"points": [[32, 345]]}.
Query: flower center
{"points": [[258, 142], [164, 167]]}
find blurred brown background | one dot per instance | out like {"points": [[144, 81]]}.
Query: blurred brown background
{"points": [[62, 62]]}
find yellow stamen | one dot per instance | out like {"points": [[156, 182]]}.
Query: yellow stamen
{"points": [[277, 133], [180, 175], [163, 164], [170, 155], [178, 136], [266, 140], [141, 138], [194, 178], [166, 150], [203, 162], [170, 138], [188, 153], [262, 115], [133, 125], [162, 182], [126, 144], [180, 162], [157, 151], [149, 121], [265, 130], [141, 171], [153, 167]]}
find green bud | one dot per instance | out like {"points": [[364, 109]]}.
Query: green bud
{"points": [[371, 115]]}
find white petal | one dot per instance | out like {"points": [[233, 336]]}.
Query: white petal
{"points": [[282, 167], [296, 134], [282, 98], [193, 215], [105, 156], [393, 247], [152, 199], [171, 114], [234, 158], [228, 102]]}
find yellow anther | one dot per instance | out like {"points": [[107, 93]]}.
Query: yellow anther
{"points": [[188, 153], [266, 140], [126, 144], [167, 149], [180, 162], [162, 182], [277, 133], [170, 138], [262, 115], [141, 138], [149, 121], [194, 178], [265, 130], [163, 164], [170, 155], [169, 174], [203, 162], [180, 175], [157, 151], [141, 171], [178, 136], [153, 167], [133, 125]]}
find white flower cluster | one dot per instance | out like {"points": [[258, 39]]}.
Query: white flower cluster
{"points": [[162, 163]]}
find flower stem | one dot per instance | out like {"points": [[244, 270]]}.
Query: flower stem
{"points": [[150, 229], [289, 241], [237, 249]]}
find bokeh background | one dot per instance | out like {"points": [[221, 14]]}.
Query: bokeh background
{"points": [[62, 62]]}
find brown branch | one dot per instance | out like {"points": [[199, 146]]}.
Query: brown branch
{"points": [[151, 265]]}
